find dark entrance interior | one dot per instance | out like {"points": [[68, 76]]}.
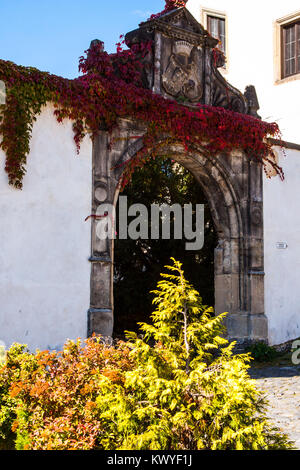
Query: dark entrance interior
{"points": [[138, 264]]}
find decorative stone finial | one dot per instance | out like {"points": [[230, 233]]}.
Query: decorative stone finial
{"points": [[251, 97], [95, 42]]}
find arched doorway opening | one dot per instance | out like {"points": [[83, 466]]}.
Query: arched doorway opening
{"points": [[138, 263]]}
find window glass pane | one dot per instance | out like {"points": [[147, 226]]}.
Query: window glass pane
{"points": [[290, 67], [293, 66], [222, 35], [290, 55], [213, 27], [298, 47], [216, 27], [290, 33]]}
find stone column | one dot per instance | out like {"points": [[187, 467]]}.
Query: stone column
{"points": [[239, 257], [258, 324], [100, 314]]}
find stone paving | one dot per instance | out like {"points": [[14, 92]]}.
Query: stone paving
{"points": [[282, 387]]}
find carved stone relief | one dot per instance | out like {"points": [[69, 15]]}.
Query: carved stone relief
{"points": [[181, 77]]}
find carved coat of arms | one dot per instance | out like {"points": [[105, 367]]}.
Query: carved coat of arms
{"points": [[181, 77]]}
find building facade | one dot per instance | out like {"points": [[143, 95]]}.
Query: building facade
{"points": [[261, 43], [262, 47], [46, 263]]}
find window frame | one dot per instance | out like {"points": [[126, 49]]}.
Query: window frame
{"points": [[280, 26], [205, 14], [211, 18]]}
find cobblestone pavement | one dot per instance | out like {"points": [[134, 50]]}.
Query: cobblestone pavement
{"points": [[282, 387]]}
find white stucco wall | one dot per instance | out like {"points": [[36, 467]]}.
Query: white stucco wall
{"points": [[282, 267], [44, 241], [251, 51], [251, 55]]}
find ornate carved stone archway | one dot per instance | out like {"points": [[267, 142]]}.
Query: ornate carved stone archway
{"points": [[233, 186], [182, 65]]}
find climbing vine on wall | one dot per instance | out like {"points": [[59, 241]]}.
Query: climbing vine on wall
{"points": [[111, 88], [169, 6]]}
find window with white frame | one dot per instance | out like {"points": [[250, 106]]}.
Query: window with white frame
{"points": [[291, 49], [216, 24], [287, 48]]}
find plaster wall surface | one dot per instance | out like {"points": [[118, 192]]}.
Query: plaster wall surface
{"points": [[250, 58], [282, 266], [45, 243]]}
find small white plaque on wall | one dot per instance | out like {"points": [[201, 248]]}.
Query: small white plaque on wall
{"points": [[281, 246]]}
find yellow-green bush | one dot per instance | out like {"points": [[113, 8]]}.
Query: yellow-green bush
{"points": [[176, 386]]}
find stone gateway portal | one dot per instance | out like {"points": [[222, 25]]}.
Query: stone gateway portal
{"points": [[183, 65]]}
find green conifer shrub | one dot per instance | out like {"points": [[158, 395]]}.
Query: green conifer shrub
{"points": [[177, 386], [262, 352]]}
